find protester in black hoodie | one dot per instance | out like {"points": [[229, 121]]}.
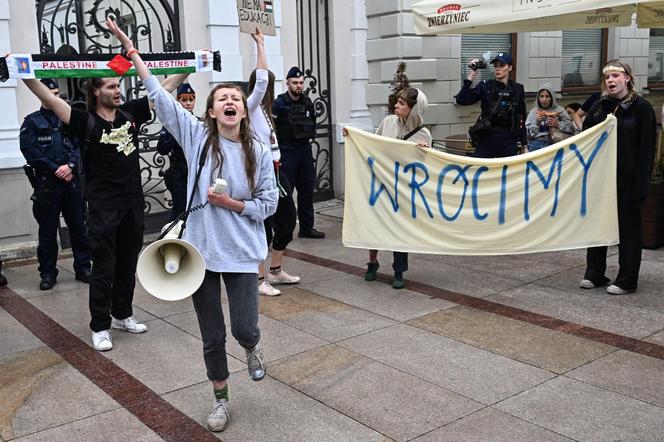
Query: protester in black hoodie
{"points": [[636, 147]]}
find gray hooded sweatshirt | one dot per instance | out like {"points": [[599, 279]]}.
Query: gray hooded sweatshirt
{"points": [[393, 127], [229, 241], [541, 130]]}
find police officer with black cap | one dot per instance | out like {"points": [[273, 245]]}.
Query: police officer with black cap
{"points": [[500, 125], [295, 124], [175, 177], [52, 170]]}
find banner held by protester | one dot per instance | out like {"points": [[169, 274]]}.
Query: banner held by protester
{"points": [[399, 197]]}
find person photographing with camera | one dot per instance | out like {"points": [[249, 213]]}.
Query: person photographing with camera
{"points": [[499, 126]]}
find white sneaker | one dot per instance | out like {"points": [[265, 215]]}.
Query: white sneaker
{"points": [[282, 277], [129, 325], [587, 284], [615, 290], [101, 341], [219, 416], [265, 289]]}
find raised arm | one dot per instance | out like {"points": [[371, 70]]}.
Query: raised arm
{"points": [[256, 98], [59, 106], [132, 53], [261, 58]]}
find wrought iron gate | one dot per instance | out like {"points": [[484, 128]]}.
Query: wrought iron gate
{"points": [[77, 26], [314, 59]]}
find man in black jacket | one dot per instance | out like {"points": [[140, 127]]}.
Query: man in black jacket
{"points": [[295, 123]]}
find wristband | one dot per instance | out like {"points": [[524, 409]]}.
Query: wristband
{"points": [[131, 52]]}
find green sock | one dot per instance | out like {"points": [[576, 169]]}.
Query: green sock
{"points": [[221, 394]]}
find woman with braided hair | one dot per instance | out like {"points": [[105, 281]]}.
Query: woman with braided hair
{"points": [[229, 230]]}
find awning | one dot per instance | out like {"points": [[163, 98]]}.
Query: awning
{"points": [[494, 16]]}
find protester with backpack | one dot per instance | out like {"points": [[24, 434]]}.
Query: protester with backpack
{"points": [[110, 160]]}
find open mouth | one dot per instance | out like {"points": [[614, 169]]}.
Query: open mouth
{"points": [[230, 112]]}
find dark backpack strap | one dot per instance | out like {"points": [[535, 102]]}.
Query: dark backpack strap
{"points": [[412, 132], [128, 116]]}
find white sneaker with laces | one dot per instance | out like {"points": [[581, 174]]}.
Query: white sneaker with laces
{"points": [[129, 324], [616, 290], [255, 363], [219, 416], [587, 284], [282, 277], [265, 289], [101, 341]]}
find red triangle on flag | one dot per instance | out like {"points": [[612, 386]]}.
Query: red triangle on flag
{"points": [[119, 64]]}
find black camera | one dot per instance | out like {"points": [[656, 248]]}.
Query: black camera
{"points": [[478, 64]]}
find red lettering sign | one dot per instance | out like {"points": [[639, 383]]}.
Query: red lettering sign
{"points": [[450, 7]]}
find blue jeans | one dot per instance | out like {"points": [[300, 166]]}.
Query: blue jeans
{"points": [[537, 144], [242, 291]]}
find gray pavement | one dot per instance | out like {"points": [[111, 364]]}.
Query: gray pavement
{"points": [[355, 360]]}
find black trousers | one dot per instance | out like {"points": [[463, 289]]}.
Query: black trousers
{"points": [[297, 163], [629, 249], [116, 239], [279, 227], [63, 197], [495, 145]]}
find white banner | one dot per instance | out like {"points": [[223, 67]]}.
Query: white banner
{"points": [[399, 197]]}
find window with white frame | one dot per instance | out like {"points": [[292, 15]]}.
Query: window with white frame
{"points": [[583, 56], [474, 45], [656, 57]]}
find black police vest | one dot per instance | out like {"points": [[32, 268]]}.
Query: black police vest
{"points": [[50, 139], [300, 122], [503, 104]]}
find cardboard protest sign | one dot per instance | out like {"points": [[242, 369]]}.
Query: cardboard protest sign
{"points": [[256, 13]]}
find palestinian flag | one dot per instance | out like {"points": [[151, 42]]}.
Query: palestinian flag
{"points": [[104, 65], [267, 6]]}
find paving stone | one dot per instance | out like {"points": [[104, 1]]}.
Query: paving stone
{"points": [[593, 308], [657, 338], [584, 412], [472, 372], [493, 425], [119, 423], [624, 372], [408, 408], [14, 337], [278, 340], [458, 279], [158, 307], [378, 298], [321, 316], [164, 358], [544, 348], [71, 310], [62, 388], [271, 410]]}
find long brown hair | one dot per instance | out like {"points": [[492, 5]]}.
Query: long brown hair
{"points": [[268, 98], [246, 135], [90, 98]]}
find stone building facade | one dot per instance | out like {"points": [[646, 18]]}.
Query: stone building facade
{"points": [[367, 38]]}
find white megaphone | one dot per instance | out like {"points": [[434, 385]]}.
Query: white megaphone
{"points": [[171, 269]]}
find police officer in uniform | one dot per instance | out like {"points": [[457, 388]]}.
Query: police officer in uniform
{"points": [[295, 123], [500, 125], [52, 170], [175, 177]]}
